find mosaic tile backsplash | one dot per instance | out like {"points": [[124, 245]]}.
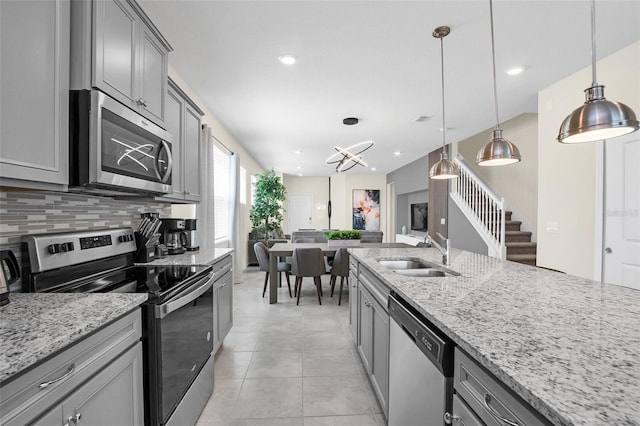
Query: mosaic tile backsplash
{"points": [[24, 213]]}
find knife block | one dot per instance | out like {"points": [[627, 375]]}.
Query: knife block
{"points": [[146, 251]]}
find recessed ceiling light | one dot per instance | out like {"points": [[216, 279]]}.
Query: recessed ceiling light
{"points": [[397, 153], [300, 174], [288, 59], [373, 169], [514, 70], [299, 168], [298, 152]]}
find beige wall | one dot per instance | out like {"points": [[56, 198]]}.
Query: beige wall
{"points": [[341, 194], [517, 183], [246, 160], [569, 189]]}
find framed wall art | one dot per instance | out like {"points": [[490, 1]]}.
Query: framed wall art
{"points": [[366, 209]]}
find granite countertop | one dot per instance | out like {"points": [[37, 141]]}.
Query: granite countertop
{"points": [[34, 326], [191, 258], [569, 346]]}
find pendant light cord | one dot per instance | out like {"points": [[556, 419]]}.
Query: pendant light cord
{"points": [[493, 55], [593, 43], [444, 128]]}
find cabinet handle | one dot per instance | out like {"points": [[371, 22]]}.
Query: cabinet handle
{"points": [[68, 422], [70, 370], [77, 418], [495, 414], [143, 102], [450, 419]]}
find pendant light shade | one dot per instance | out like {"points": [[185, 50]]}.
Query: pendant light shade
{"points": [[499, 151], [445, 168], [598, 118]]}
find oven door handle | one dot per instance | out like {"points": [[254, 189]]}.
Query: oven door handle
{"points": [[165, 309]]}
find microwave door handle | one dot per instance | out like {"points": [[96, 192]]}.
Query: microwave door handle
{"points": [[166, 308], [164, 178]]}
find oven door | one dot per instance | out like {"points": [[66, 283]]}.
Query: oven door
{"points": [[183, 344]]}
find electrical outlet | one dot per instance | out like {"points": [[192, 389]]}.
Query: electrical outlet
{"points": [[443, 221], [553, 227]]}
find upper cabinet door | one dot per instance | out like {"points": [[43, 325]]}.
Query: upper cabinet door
{"points": [[191, 153], [175, 126], [34, 93], [115, 50], [130, 57], [153, 74]]}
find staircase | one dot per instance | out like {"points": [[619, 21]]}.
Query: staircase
{"points": [[486, 212]]}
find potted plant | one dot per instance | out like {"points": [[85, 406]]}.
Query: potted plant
{"points": [[266, 212], [343, 238]]}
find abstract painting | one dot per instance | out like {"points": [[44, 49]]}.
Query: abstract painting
{"points": [[366, 209]]}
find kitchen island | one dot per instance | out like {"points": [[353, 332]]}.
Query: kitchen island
{"points": [[568, 346]]}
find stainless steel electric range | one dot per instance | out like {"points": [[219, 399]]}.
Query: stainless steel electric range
{"points": [[178, 316]]}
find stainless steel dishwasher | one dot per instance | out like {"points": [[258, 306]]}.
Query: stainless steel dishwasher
{"points": [[420, 369]]}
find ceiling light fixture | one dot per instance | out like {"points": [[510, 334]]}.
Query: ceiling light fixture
{"points": [[346, 160], [445, 168], [350, 121], [597, 118], [499, 151], [288, 59], [514, 70], [397, 153]]}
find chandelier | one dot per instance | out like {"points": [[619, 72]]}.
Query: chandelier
{"points": [[347, 158]]}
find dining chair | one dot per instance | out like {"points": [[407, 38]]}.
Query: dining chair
{"points": [[262, 254], [340, 268], [307, 262]]}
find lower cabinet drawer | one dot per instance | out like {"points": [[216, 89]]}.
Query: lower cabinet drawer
{"points": [[463, 415], [492, 402]]}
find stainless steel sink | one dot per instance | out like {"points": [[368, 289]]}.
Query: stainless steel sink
{"points": [[416, 268], [404, 264], [429, 272]]}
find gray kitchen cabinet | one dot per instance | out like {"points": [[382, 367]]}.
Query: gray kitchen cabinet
{"points": [[34, 94], [183, 120], [128, 58], [96, 380], [353, 299], [373, 333], [115, 393], [222, 300], [485, 400]]}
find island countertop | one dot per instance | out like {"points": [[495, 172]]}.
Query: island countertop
{"points": [[568, 346], [191, 258], [34, 326]]}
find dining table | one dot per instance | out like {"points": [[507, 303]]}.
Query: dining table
{"points": [[279, 250]]}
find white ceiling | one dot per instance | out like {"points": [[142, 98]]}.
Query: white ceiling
{"points": [[376, 60]]}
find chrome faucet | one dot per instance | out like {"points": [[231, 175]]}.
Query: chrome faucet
{"points": [[444, 249]]}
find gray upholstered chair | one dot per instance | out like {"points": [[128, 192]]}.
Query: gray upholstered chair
{"points": [[307, 262], [263, 260], [340, 268]]}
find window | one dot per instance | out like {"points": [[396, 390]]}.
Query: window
{"points": [[221, 193]]}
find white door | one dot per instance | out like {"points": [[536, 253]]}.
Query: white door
{"points": [[300, 212], [622, 211]]}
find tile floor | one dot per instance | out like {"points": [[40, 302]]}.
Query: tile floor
{"points": [[290, 365]]}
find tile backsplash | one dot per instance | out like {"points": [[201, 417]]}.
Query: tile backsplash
{"points": [[26, 212]]}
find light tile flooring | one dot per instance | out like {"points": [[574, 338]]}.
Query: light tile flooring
{"points": [[290, 365]]}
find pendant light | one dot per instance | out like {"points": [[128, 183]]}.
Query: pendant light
{"points": [[499, 151], [445, 168], [598, 118]]}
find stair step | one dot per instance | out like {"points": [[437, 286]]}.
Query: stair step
{"points": [[521, 248], [517, 237], [527, 259]]}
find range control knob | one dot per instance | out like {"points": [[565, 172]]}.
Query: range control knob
{"points": [[66, 246], [125, 238], [54, 248]]}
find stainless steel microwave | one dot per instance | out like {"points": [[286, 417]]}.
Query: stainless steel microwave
{"points": [[114, 150]]}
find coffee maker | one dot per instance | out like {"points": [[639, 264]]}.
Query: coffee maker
{"points": [[173, 235], [190, 228]]}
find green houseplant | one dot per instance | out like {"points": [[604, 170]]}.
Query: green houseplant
{"points": [[343, 237], [266, 212]]}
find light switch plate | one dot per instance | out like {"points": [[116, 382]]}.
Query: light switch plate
{"points": [[443, 221], [553, 227]]}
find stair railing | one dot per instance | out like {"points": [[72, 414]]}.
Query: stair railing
{"points": [[482, 207]]}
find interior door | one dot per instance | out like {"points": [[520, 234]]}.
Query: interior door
{"points": [[300, 212], [621, 258]]}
